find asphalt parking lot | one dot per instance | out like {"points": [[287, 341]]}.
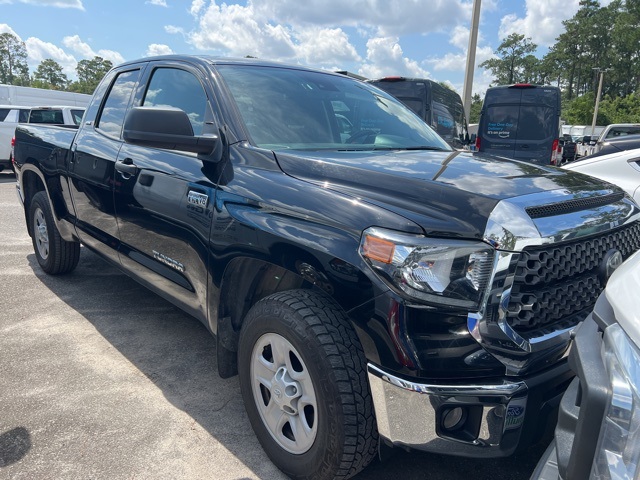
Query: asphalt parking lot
{"points": [[101, 379]]}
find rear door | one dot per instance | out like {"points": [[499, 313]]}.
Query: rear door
{"points": [[520, 122], [91, 168]]}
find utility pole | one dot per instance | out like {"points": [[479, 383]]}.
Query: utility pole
{"points": [[595, 111], [471, 59]]}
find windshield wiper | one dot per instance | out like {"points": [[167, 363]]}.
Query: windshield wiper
{"points": [[425, 147], [421, 147]]}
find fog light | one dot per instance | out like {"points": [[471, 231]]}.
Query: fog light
{"points": [[452, 419]]}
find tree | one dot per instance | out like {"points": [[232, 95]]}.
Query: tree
{"points": [[90, 72], [476, 107], [13, 60], [49, 75], [513, 61]]}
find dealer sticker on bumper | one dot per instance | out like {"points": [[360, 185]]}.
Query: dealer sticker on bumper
{"points": [[515, 413]]}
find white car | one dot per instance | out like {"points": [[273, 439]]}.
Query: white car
{"points": [[10, 116], [621, 169]]}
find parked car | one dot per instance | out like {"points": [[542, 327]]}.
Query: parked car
{"points": [[439, 106], [568, 149], [10, 116], [598, 431], [60, 115], [593, 144], [371, 288], [56, 115], [622, 169], [614, 145]]}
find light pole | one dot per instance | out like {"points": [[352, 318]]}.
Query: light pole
{"points": [[595, 111], [471, 59]]}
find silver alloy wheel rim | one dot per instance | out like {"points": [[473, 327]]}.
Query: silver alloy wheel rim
{"points": [[40, 233], [283, 393]]}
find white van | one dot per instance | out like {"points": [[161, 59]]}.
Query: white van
{"points": [[35, 97]]}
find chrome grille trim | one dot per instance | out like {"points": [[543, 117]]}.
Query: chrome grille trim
{"points": [[511, 230]]}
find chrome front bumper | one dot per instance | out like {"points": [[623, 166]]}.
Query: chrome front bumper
{"points": [[412, 415]]}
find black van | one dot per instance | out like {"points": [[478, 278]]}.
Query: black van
{"points": [[439, 106], [521, 121]]}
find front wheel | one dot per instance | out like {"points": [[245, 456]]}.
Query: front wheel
{"points": [[304, 385], [54, 254]]}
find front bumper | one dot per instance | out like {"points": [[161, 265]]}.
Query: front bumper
{"points": [[493, 419]]}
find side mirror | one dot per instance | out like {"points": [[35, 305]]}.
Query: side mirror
{"points": [[586, 139], [473, 138], [165, 128]]}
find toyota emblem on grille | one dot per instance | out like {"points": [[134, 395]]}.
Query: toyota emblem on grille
{"points": [[611, 261]]}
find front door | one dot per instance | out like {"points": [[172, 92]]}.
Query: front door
{"points": [[165, 198]]}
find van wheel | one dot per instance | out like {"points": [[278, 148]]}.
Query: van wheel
{"points": [[54, 254], [304, 385]]}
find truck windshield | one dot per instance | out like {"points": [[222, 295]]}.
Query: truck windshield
{"points": [[298, 109]]}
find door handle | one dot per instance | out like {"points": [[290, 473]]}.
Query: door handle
{"points": [[524, 146], [127, 167]]}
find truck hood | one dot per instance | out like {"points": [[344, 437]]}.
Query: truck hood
{"points": [[446, 193]]}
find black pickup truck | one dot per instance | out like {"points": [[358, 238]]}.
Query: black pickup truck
{"points": [[370, 285]]}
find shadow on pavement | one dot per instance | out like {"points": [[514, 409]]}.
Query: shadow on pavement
{"points": [[178, 355], [14, 445]]}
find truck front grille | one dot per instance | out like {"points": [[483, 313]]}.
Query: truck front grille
{"points": [[554, 282]]}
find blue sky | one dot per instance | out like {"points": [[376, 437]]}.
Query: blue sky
{"points": [[418, 38]]}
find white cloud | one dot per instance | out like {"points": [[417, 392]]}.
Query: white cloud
{"points": [[313, 32], [84, 50], [542, 21], [37, 51], [325, 46], [159, 3], [385, 57], [50, 3], [4, 28], [391, 18], [457, 61], [234, 29], [196, 7], [157, 49]]}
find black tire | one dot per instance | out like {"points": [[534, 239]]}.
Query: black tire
{"points": [[323, 351], [55, 255]]}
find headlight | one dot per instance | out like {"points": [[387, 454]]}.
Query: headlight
{"points": [[442, 271], [618, 450]]}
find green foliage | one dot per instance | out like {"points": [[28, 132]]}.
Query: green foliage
{"points": [[13, 61], [90, 72], [595, 38], [515, 62], [49, 75], [476, 107]]}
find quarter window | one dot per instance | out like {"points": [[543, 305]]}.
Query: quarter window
{"points": [[115, 107]]}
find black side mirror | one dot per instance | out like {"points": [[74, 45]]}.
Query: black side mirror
{"points": [[165, 128], [473, 138]]}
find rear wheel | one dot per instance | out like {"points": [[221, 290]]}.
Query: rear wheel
{"points": [[54, 254], [304, 384]]}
